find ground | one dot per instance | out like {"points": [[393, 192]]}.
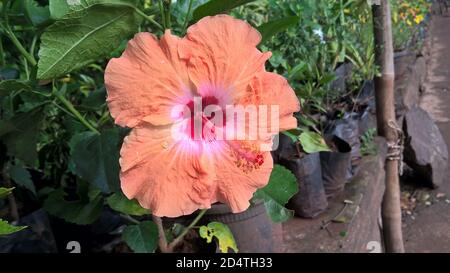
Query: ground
{"points": [[426, 225], [426, 212]]}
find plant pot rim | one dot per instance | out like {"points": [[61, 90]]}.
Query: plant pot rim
{"points": [[221, 208]]}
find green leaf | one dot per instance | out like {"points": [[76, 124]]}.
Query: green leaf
{"points": [[306, 121], [59, 8], [22, 177], [20, 134], [368, 147], [95, 158], [271, 28], [281, 187], [327, 78], [5, 192], [142, 238], [297, 70], [36, 14], [6, 228], [223, 234], [9, 86], [292, 134], [83, 36], [313, 142], [95, 100], [121, 203], [82, 212], [214, 7]]}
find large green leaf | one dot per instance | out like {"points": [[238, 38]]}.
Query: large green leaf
{"points": [[36, 14], [22, 177], [223, 234], [20, 134], [6, 228], [313, 142], [214, 7], [141, 238], [82, 212], [271, 28], [281, 187], [59, 8], [9, 86], [95, 158], [83, 36], [5, 192], [121, 203]]}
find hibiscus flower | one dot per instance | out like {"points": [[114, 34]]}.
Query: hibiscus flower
{"points": [[177, 160]]}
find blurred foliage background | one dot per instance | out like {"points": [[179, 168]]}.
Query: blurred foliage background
{"points": [[59, 148]]}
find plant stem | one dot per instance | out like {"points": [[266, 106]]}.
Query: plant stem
{"points": [[161, 10], [19, 46], [63, 109], [75, 112], [104, 118], [148, 18], [130, 219], [25, 66], [186, 20], [186, 230], [162, 241], [167, 9], [2, 53], [167, 248], [33, 45]]}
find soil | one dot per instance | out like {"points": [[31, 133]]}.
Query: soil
{"points": [[426, 226]]}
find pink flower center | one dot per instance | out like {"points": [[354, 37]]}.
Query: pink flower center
{"points": [[205, 115]]}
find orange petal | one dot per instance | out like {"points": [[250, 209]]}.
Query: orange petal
{"points": [[163, 176], [145, 82], [274, 90], [276, 103], [221, 51], [237, 175]]}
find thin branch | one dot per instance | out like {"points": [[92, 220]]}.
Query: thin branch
{"points": [[75, 112], [163, 15], [177, 240], [130, 219], [148, 18], [162, 242], [163, 245], [186, 20], [19, 46]]}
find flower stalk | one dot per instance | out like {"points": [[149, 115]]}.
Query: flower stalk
{"points": [[169, 247]]}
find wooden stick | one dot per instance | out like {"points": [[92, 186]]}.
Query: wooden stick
{"points": [[385, 108]]}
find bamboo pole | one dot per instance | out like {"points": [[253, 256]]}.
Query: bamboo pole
{"points": [[384, 96]]}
